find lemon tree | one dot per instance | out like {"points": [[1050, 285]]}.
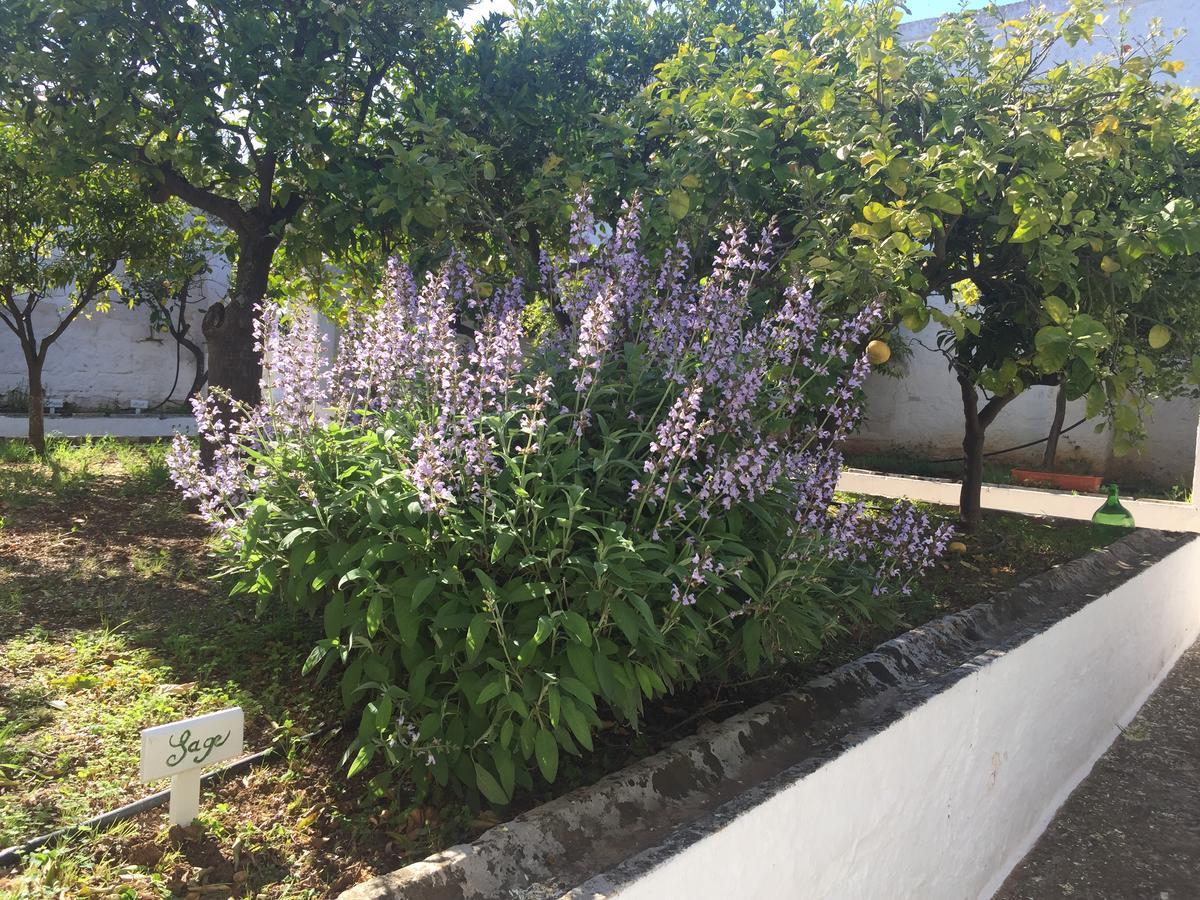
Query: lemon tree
{"points": [[1039, 216]]}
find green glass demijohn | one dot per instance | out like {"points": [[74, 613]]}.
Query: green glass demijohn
{"points": [[1112, 514]]}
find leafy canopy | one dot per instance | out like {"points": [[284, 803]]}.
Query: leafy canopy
{"points": [[1051, 202], [248, 111], [67, 240], [504, 122]]}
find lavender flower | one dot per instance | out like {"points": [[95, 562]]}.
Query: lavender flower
{"points": [[718, 406]]}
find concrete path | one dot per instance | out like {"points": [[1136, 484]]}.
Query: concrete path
{"points": [[1164, 515], [1131, 830]]}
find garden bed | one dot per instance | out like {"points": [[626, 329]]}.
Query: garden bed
{"points": [[110, 625]]}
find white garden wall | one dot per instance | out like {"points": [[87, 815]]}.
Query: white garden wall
{"points": [[104, 361], [916, 409], [151, 425], [945, 801]]}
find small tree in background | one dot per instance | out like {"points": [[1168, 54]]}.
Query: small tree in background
{"points": [[169, 285], [250, 112], [62, 241], [1077, 219]]}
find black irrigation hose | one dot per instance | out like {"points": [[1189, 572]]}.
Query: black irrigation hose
{"points": [[13, 854], [174, 384], [935, 462]]}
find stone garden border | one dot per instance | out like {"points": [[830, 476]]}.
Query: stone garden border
{"points": [[925, 769]]}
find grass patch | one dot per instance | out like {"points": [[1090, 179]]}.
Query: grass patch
{"points": [[72, 467], [109, 623]]}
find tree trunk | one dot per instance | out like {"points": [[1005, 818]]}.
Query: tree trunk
{"points": [[970, 503], [37, 405], [1060, 415], [233, 365], [970, 498], [179, 331], [201, 375]]}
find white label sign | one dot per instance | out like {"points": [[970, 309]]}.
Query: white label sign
{"points": [[168, 750]]}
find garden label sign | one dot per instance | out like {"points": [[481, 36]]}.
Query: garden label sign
{"points": [[179, 750]]}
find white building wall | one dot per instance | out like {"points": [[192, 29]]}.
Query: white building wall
{"points": [[917, 409], [921, 412], [104, 361]]}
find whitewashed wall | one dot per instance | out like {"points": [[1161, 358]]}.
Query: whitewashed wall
{"points": [[942, 804], [105, 361], [917, 409], [922, 413]]}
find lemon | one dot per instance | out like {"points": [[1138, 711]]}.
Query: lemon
{"points": [[1160, 336], [957, 547], [878, 352]]}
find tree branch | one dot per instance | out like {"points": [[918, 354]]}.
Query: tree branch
{"points": [[993, 407], [228, 211], [288, 210], [265, 171], [4, 317], [86, 296]]}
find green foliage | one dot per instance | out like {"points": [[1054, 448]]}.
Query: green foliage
{"points": [[260, 115], [509, 541], [506, 122], [218, 101], [1053, 204], [68, 231], [483, 643]]}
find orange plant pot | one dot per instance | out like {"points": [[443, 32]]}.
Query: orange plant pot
{"points": [[1062, 481]]}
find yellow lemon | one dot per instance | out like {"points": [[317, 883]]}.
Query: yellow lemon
{"points": [[878, 352], [1160, 336]]}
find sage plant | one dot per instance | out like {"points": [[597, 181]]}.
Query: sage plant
{"points": [[524, 509]]}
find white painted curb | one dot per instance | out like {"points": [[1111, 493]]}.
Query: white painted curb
{"points": [[147, 426], [944, 802]]}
